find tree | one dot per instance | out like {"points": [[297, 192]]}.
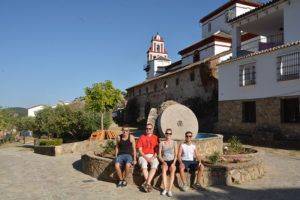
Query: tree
{"points": [[102, 97], [25, 123]]}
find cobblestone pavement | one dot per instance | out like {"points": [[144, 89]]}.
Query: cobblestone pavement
{"points": [[25, 175]]}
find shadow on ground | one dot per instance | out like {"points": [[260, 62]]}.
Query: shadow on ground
{"points": [[235, 193], [77, 165]]}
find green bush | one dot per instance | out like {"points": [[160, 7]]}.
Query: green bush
{"points": [[235, 146], [215, 157], [109, 148], [52, 142]]}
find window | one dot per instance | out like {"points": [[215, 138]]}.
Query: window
{"points": [[249, 112], [288, 67], [158, 48], [196, 56], [192, 76], [290, 110], [209, 27], [177, 81], [247, 74]]}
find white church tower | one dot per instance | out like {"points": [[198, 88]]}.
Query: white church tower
{"points": [[157, 57]]}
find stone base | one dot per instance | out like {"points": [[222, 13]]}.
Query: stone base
{"points": [[75, 147], [268, 125], [222, 174]]}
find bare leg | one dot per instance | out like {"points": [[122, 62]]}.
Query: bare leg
{"points": [[200, 175], [151, 175], [182, 174], [119, 171], [172, 176], [164, 175], [145, 173], [127, 170]]}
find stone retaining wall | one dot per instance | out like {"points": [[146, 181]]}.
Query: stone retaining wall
{"points": [[103, 169], [75, 147], [268, 119]]}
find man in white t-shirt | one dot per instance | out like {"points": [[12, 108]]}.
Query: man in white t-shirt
{"points": [[189, 159]]}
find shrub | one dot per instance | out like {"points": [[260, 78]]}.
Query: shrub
{"points": [[235, 145], [109, 148], [52, 142], [215, 157]]}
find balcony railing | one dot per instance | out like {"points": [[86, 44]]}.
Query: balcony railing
{"points": [[262, 43]]}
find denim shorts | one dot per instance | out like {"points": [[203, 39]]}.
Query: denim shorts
{"points": [[124, 159], [191, 165]]}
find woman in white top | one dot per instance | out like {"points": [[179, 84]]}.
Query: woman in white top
{"points": [[189, 159], [167, 155]]}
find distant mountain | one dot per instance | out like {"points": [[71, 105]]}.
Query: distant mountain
{"points": [[22, 112]]}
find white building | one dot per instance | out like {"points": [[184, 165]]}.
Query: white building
{"points": [[194, 75], [34, 109], [259, 87]]}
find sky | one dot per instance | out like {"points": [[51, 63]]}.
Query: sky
{"points": [[50, 50]]}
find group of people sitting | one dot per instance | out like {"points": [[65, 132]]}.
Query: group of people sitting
{"points": [[153, 153]]}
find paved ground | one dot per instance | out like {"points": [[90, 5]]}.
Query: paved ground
{"points": [[25, 175]]}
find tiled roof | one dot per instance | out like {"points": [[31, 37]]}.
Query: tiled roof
{"points": [[271, 2], [169, 73], [261, 52]]}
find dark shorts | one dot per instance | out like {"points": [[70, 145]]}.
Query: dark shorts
{"points": [[191, 165], [124, 159], [169, 163]]}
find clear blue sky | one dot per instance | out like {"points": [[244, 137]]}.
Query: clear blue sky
{"points": [[51, 50]]}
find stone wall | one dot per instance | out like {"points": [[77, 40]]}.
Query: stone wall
{"points": [[75, 147], [165, 88], [220, 174], [268, 117]]}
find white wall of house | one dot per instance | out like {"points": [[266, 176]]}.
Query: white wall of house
{"points": [[291, 21], [33, 110], [219, 22], [266, 78]]}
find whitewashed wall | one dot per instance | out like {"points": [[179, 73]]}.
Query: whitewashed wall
{"points": [[266, 78], [219, 22], [291, 21]]}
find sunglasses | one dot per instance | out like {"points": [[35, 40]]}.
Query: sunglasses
{"points": [[148, 128], [168, 133], [188, 136]]}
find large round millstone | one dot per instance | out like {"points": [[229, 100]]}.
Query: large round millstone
{"points": [[180, 119]]}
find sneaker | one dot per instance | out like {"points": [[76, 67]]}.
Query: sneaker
{"points": [[124, 183], [120, 184], [164, 192], [185, 188], [170, 194]]}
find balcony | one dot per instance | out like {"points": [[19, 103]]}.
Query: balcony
{"points": [[260, 43]]}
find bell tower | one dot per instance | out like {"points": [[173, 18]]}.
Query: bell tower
{"points": [[157, 48], [157, 57]]}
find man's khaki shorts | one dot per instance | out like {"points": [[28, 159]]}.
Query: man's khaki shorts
{"points": [[144, 164]]}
